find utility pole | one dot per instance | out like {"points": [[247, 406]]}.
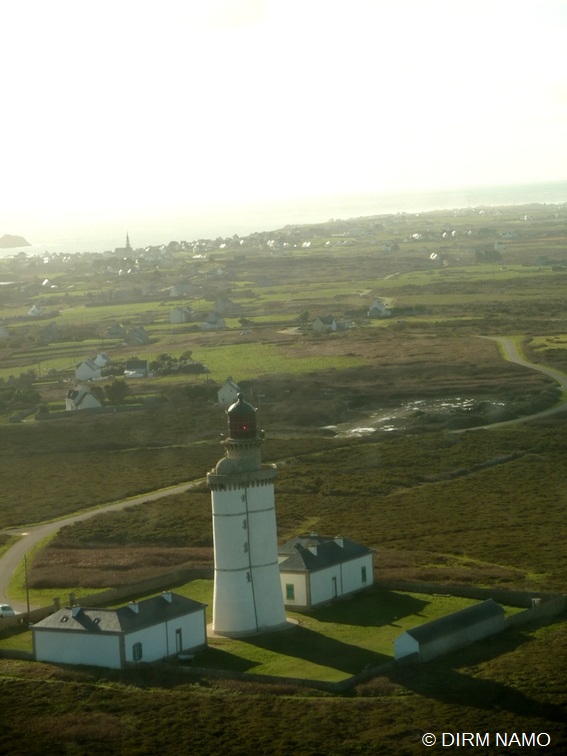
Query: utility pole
{"points": [[27, 587]]}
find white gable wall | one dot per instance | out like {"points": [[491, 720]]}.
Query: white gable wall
{"points": [[228, 393], [159, 641], [300, 589], [85, 372], [405, 645], [326, 584], [352, 574], [76, 647]]}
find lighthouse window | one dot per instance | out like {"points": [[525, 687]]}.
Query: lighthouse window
{"points": [[137, 652], [363, 574], [290, 592]]}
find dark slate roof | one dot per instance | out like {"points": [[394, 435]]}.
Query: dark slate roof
{"points": [[125, 619], [300, 557], [456, 621]]}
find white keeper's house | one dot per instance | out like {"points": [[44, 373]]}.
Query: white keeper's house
{"points": [[143, 631], [317, 569]]}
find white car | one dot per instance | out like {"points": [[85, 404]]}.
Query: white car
{"points": [[6, 611]]}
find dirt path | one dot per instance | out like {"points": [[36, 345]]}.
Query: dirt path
{"points": [[30, 536], [510, 352], [33, 534]]}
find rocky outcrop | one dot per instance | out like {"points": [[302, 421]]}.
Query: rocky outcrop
{"points": [[8, 241]]}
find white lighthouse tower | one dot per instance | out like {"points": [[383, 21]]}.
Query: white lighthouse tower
{"points": [[247, 594]]}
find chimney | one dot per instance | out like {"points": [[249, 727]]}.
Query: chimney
{"points": [[167, 596], [134, 606]]}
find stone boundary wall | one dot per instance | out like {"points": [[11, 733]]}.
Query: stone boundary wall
{"points": [[523, 599], [551, 608]]}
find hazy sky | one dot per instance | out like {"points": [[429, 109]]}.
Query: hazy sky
{"points": [[117, 107]]}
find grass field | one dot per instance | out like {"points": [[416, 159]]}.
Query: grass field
{"points": [[481, 508], [330, 644]]}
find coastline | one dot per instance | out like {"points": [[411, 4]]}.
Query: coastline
{"points": [[223, 220]]}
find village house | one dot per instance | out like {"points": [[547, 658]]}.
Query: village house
{"points": [[180, 315], [144, 631], [228, 392], [137, 335], [213, 322], [102, 360], [325, 324], [379, 310], [317, 569], [453, 631], [87, 370], [135, 368], [80, 398], [115, 331]]}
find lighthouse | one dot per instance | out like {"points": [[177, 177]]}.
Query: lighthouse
{"points": [[247, 591]]}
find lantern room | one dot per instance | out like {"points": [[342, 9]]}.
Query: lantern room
{"points": [[241, 420]]}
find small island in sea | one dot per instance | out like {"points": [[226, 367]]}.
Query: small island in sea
{"points": [[8, 241]]}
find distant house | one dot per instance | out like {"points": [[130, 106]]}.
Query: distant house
{"points": [[135, 368], [87, 370], [137, 335], [453, 631], [379, 310], [80, 398], [213, 322], [146, 631], [180, 315], [36, 311], [116, 331], [325, 324], [228, 392], [225, 306], [102, 360], [315, 569], [50, 333]]}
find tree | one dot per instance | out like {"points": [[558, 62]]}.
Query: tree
{"points": [[116, 392]]}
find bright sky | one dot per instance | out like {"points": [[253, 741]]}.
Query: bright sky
{"points": [[122, 106]]}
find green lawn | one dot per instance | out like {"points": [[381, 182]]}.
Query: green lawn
{"points": [[331, 643]]}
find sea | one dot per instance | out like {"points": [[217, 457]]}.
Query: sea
{"points": [[225, 220]]}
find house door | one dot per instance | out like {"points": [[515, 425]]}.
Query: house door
{"points": [[334, 587], [178, 641]]}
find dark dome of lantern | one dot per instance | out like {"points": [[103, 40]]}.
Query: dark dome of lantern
{"points": [[241, 419]]}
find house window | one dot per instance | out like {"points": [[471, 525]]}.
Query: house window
{"points": [[290, 592], [363, 574], [178, 640], [137, 652]]}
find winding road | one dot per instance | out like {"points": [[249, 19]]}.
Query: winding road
{"points": [[32, 535]]}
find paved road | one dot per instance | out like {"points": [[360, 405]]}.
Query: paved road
{"points": [[511, 353], [32, 535]]}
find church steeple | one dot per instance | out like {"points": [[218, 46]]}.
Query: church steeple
{"points": [[128, 247]]}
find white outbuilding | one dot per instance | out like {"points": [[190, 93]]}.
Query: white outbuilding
{"points": [[144, 631], [87, 370], [317, 569], [228, 392], [453, 631]]}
